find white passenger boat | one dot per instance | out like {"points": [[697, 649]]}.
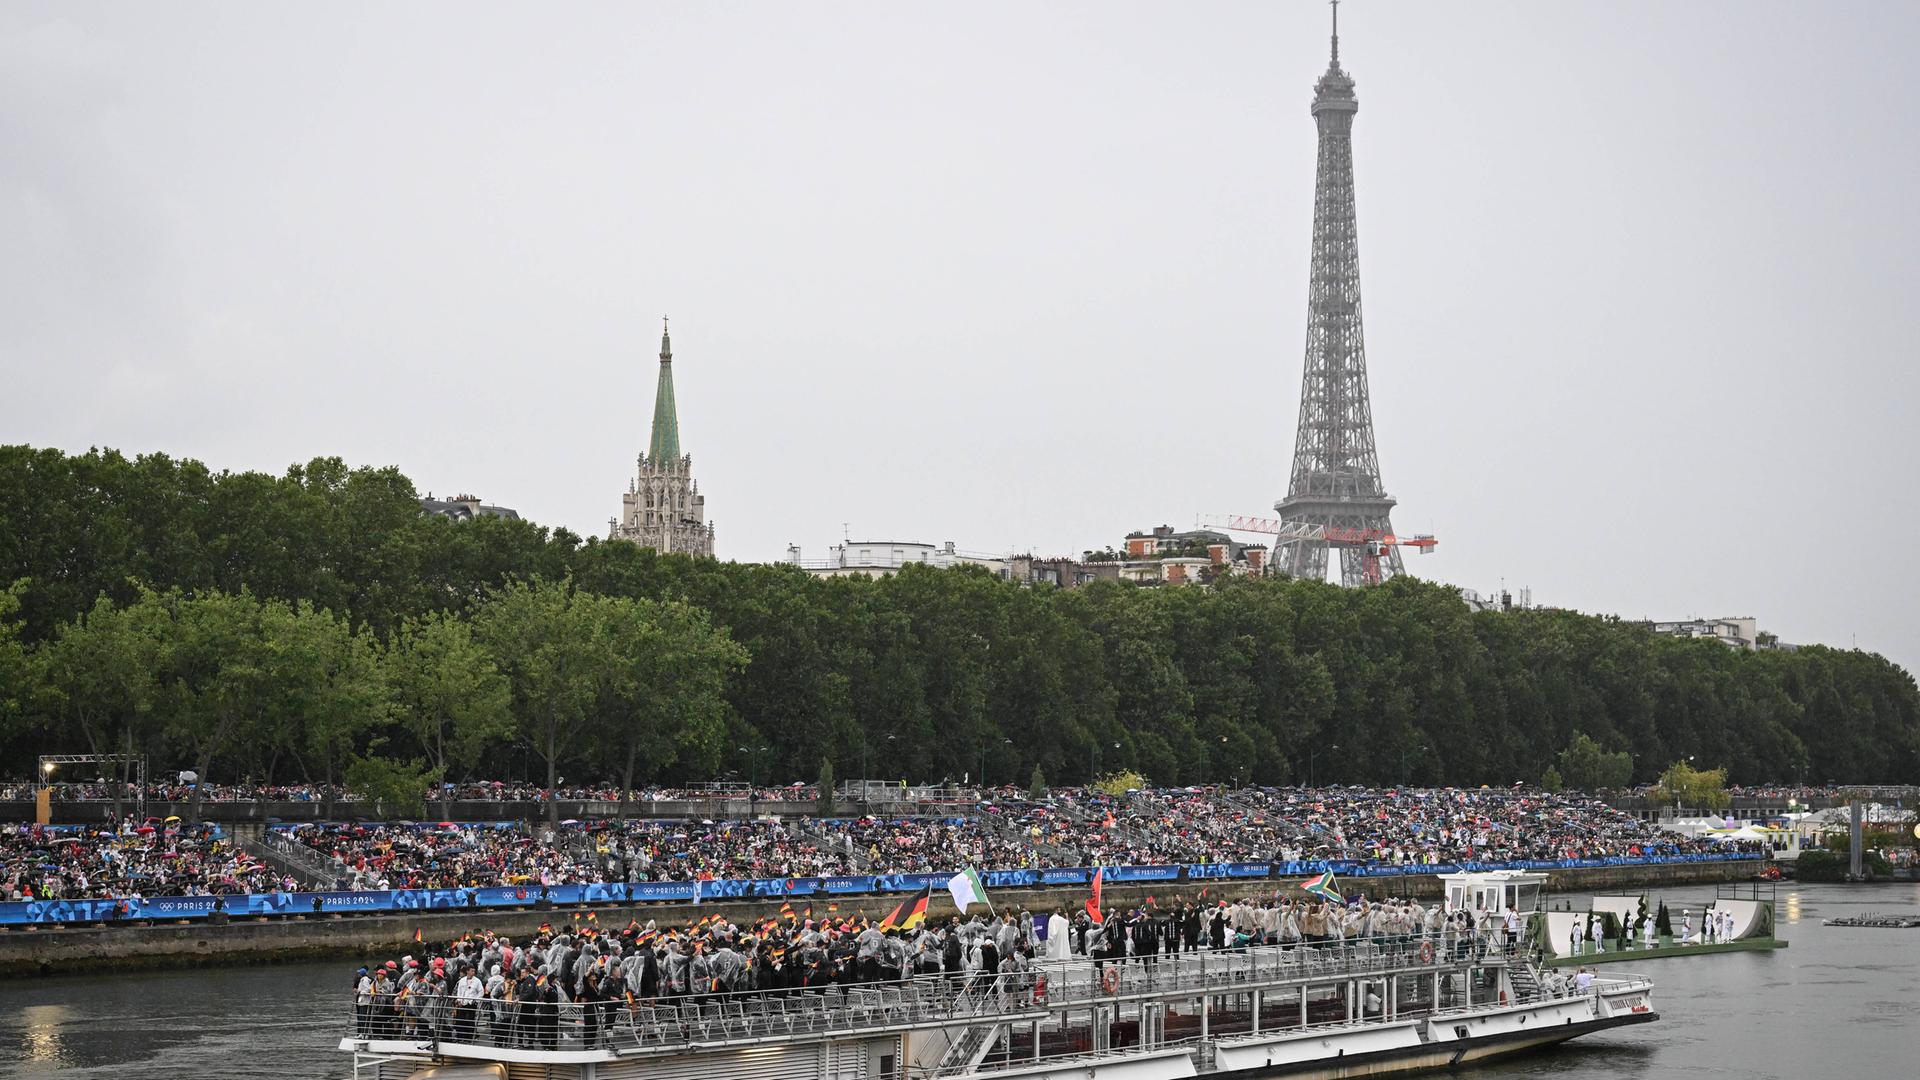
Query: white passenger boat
{"points": [[1364, 1008]]}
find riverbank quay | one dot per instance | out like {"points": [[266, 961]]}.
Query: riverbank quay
{"points": [[51, 950], [1664, 951]]}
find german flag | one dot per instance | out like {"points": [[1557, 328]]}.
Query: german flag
{"points": [[909, 914], [918, 914], [786, 911], [418, 937]]}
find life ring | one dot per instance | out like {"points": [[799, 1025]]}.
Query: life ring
{"points": [[1110, 980], [1040, 989], [1426, 952]]}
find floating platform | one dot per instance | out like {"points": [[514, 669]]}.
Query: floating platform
{"points": [[1661, 952]]}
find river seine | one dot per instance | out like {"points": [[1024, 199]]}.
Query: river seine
{"points": [[1838, 1002]]}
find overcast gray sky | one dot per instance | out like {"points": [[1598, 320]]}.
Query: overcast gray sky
{"points": [[1638, 276]]}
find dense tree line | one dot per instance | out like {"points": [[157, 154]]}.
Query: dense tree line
{"points": [[292, 627]]}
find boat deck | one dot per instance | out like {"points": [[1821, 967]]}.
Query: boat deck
{"points": [[1059, 1011]]}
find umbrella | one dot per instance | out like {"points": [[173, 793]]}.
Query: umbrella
{"points": [[173, 817], [144, 830]]}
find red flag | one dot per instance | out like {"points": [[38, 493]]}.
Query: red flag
{"points": [[1093, 903]]}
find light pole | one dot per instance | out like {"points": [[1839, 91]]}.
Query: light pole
{"points": [[1406, 777], [983, 761], [1311, 751], [752, 774]]}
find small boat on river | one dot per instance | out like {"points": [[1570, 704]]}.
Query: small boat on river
{"points": [[1887, 922]]}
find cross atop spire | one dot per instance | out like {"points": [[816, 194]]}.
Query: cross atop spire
{"points": [[666, 343]]}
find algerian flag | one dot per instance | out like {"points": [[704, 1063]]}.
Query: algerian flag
{"points": [[967, 890]]}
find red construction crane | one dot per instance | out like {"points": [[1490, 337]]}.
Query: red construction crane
{"points": [[1371, 542]]}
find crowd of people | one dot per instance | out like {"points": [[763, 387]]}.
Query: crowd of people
{"points": [[137, 860], [1069, 828], [1072, 828], [497, 791], [487, 988]]}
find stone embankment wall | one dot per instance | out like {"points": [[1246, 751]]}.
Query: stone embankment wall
{"points": [[345, 937]]}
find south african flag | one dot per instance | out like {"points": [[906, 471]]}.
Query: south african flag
{"points": [[1322, 886]]}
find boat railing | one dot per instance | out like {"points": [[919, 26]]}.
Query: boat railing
{"points": [[631, 1024]]}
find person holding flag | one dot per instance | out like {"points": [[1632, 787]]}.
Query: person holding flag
{"points": [[1323, 887], [909, 914], [967, 890]]}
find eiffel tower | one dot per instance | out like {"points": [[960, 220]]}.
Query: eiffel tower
{"points": [[1335, 498]]}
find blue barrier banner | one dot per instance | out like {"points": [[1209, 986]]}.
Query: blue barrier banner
{"points": [[1078, 875], [508, 895], [1246, 869], [847, 884], [177, 907], [1010, 879], [664, 890], [1151, 873], [908, 882]]}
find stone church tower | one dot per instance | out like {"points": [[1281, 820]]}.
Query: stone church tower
{"points": [[663, 508]]}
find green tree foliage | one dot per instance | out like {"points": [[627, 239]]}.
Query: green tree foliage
{"points": [[554, 645], [1119, 783], [396, 787], [447, 693], [1587, 767], [663, 703], [1551, 780], [825, 786], [1684, 785], [1037, 785], [15, 680], [627, 665]]}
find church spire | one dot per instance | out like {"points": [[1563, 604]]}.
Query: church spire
{"points": [[665, 447]]}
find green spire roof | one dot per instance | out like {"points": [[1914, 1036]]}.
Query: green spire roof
{"points": [[666, 421]]}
